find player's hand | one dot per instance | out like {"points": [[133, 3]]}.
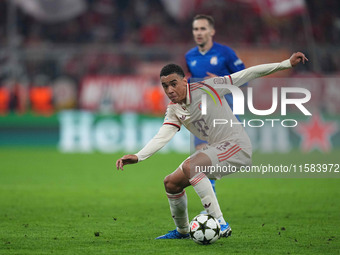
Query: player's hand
{"points": [[125, 160], [297, 57], [210, 75]]}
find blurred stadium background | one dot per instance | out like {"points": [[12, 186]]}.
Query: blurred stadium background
{"points": [[82, 75]]}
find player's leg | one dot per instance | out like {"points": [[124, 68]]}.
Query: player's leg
{"points": [[174, 187], [192, 168], [200, 144]]}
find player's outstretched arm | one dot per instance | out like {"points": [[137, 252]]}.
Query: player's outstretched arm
{"points": [[254, 72], [125, 160], [164, 135]]}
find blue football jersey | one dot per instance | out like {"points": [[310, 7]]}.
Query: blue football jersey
{"points": [[220, 60]]}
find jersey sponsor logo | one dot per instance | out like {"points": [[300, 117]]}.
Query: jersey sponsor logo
{"points": [[214, 61], [201, 126], [193, 63]]}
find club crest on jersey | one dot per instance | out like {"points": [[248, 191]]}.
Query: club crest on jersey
{"points": [[183, 117], [214, 61]]}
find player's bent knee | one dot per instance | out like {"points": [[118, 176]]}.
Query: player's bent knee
{"points": [[171, 186]]}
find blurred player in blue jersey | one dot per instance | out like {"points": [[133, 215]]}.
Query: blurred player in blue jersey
{"points": [[209, 59]]}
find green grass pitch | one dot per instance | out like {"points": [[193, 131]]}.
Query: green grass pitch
{"points": [[53, 203]]}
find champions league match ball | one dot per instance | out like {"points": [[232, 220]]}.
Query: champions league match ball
{"points": [[204, 229]]}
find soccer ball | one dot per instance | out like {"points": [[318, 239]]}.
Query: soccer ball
{"points": [[204, 229]]}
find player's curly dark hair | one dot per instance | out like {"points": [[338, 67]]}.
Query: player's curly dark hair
{"points": [[170, 69]]}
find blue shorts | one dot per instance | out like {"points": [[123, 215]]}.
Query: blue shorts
{"points": [[198, 141]]}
